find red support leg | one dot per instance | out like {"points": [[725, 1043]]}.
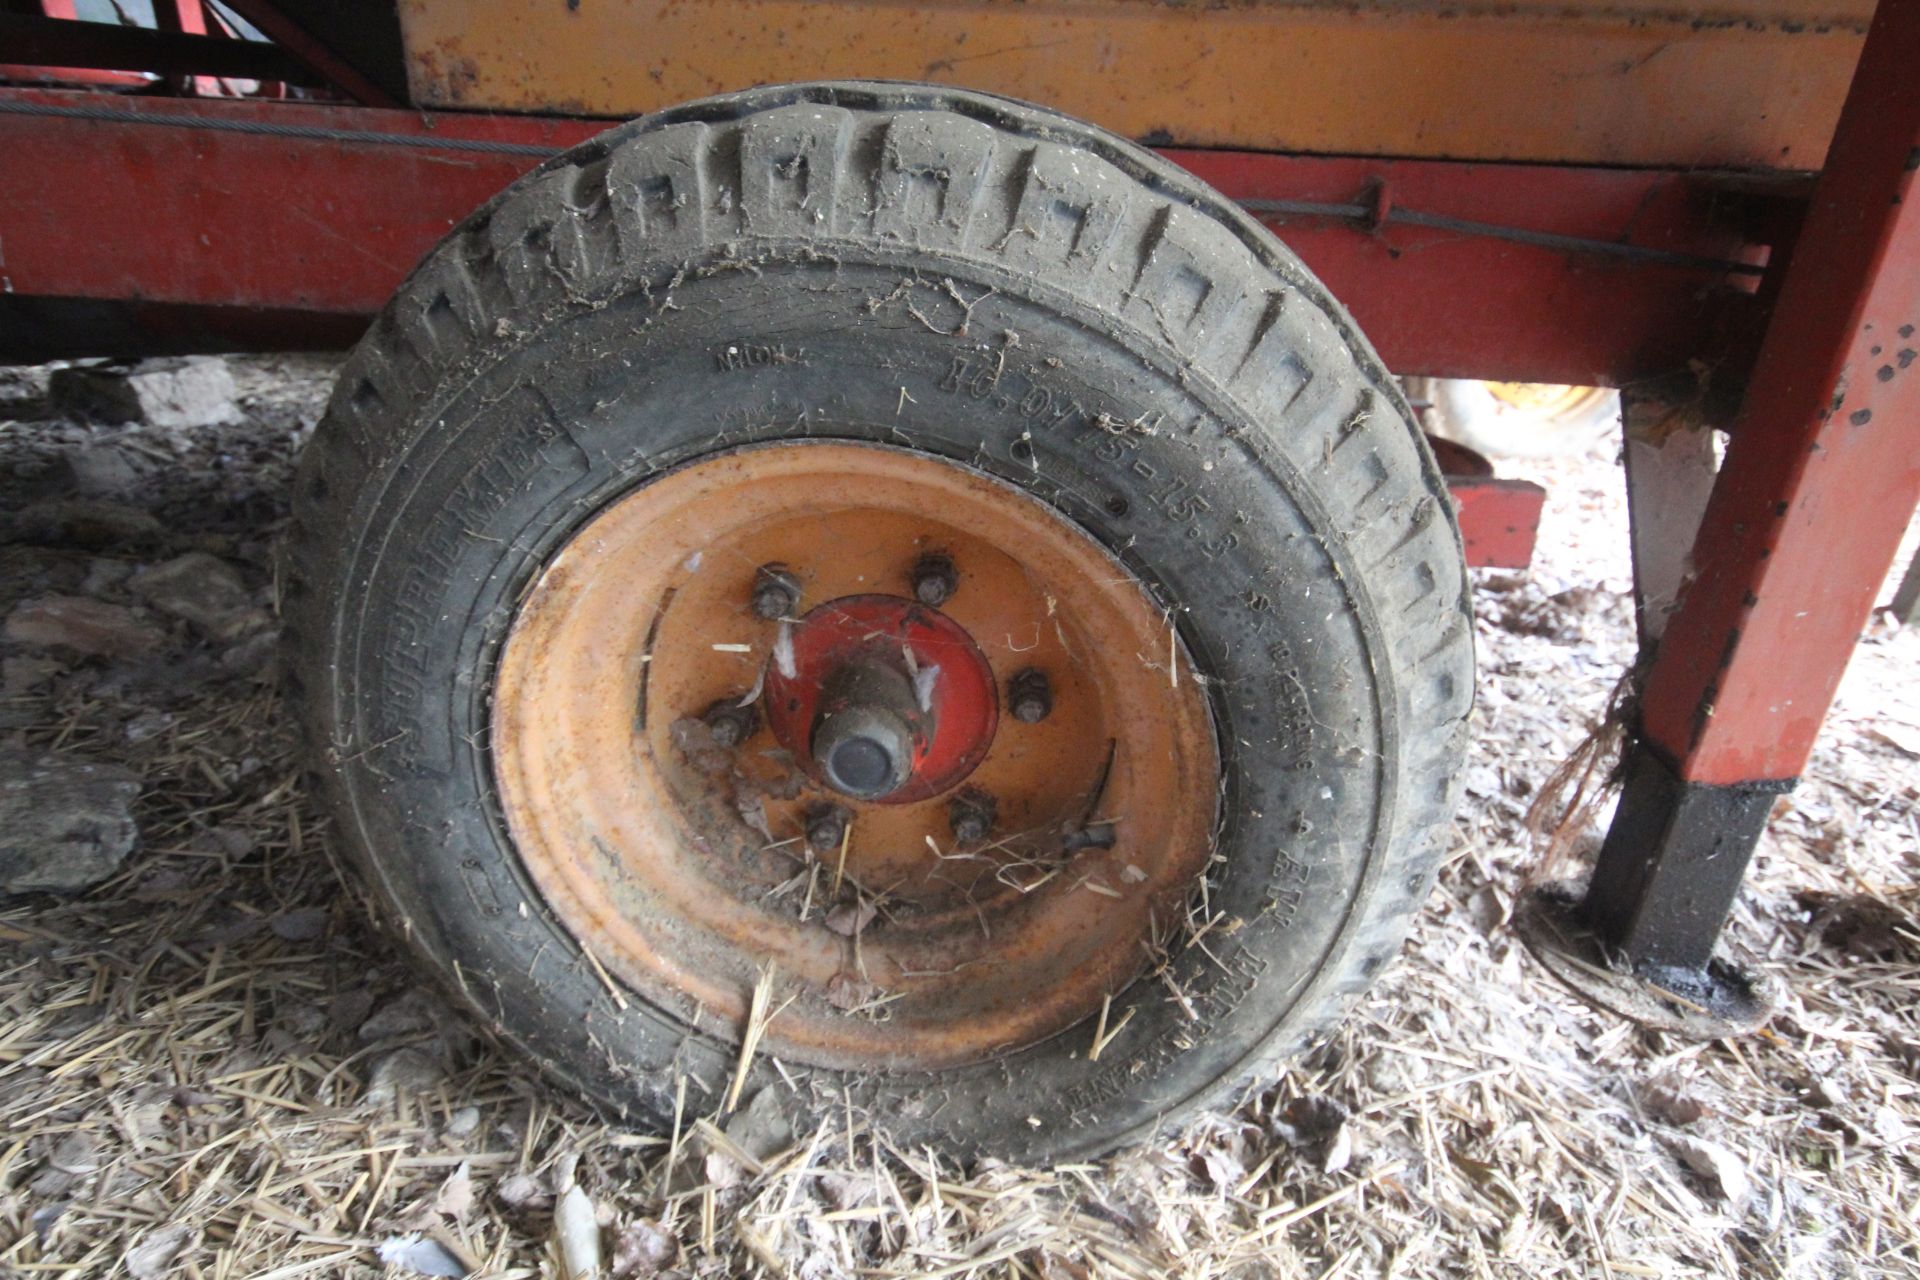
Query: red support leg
{"points": [[1802, 525]]}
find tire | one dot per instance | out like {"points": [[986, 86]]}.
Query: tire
{"points": [[1476, 415], [1164, 375]]}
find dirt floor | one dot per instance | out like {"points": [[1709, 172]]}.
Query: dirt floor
{"points": [[211, 1066]]}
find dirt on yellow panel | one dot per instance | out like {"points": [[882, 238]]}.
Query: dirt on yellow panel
{"points": [[1753, 84]]}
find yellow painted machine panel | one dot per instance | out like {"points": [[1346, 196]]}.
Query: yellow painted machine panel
{"points": [[1754, 85]]}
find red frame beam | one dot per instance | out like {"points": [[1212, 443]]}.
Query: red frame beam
{"points": [[1436, 302], [1798, 533], [1823, 470], [195, 217]]}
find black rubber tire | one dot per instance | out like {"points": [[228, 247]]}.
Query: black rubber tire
{"points": [[948, 272]]}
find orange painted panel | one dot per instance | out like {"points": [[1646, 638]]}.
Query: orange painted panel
{"points": [[1752, 84]]}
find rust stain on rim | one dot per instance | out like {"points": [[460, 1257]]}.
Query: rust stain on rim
{"points": [[682, 863]]}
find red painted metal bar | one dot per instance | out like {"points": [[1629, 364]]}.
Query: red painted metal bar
{"points": [[228, 220], [1499, 519], [1440, 303], [159, 214], [1824, 467], [1798, 534]]}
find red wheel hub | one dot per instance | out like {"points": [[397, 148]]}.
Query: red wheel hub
{"points": [[881, 698]]}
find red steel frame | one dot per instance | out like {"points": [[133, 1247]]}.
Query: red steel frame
{"points": [[1799, 532], [221, 256], [230, 220]]}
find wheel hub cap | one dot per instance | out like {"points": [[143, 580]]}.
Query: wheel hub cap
{"points": [[881, 698]]}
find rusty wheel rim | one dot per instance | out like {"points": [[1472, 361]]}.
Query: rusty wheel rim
{"points": [[1031, 856]]}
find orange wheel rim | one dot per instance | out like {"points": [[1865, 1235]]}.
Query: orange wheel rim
{"points": [[996, 899]]}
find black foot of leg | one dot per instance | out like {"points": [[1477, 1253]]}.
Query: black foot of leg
{"points": [[1716, 1000]]}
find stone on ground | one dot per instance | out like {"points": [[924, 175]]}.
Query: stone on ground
{"points": [[204, 590], [91, 627], [193, 391], [64, 824]]}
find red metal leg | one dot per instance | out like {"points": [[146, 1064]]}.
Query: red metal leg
{"points": [[1801, 527]]}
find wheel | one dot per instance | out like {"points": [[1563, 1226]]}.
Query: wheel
{"points": [[1523, 419], [899, 578]]}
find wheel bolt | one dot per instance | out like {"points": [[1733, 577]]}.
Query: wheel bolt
{"points": [[970, 816], [1030, 696], [934, 580], [730, 723], [826, 828], [1098, 835], [775, 592]]}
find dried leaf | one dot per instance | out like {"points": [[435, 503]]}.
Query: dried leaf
{"points": [[152, 1257], [523, 1191], [421, 1255], [455, 1197], [1670, 1105], [576, 1237], [850, 918], [1719, 1169], [642, 1249]]}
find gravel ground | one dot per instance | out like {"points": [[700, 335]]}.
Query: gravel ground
{"points": [[212, 1066]]}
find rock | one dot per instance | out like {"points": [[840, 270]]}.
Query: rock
{"points": [[105, 574], [20, 675], [204, 590], [253, 656], [148, 724], [761, 1128], [103, 471], [91, 524], [176, 392], [411, 1013], [302, 925], [64, 824], [91, 627], [462, 1123], [524, 1191], [403, 1072]]}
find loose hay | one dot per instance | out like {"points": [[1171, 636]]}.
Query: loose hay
{"points": [[210, 1067]]}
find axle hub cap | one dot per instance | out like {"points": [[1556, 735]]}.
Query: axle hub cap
{"points": [[882, 698]]}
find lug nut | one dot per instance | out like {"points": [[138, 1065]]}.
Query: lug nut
{"points": [[775, 592], [1030, 696], [826, 828], [970, 816], [934, 580], [730, 723], [1098, 835]]}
